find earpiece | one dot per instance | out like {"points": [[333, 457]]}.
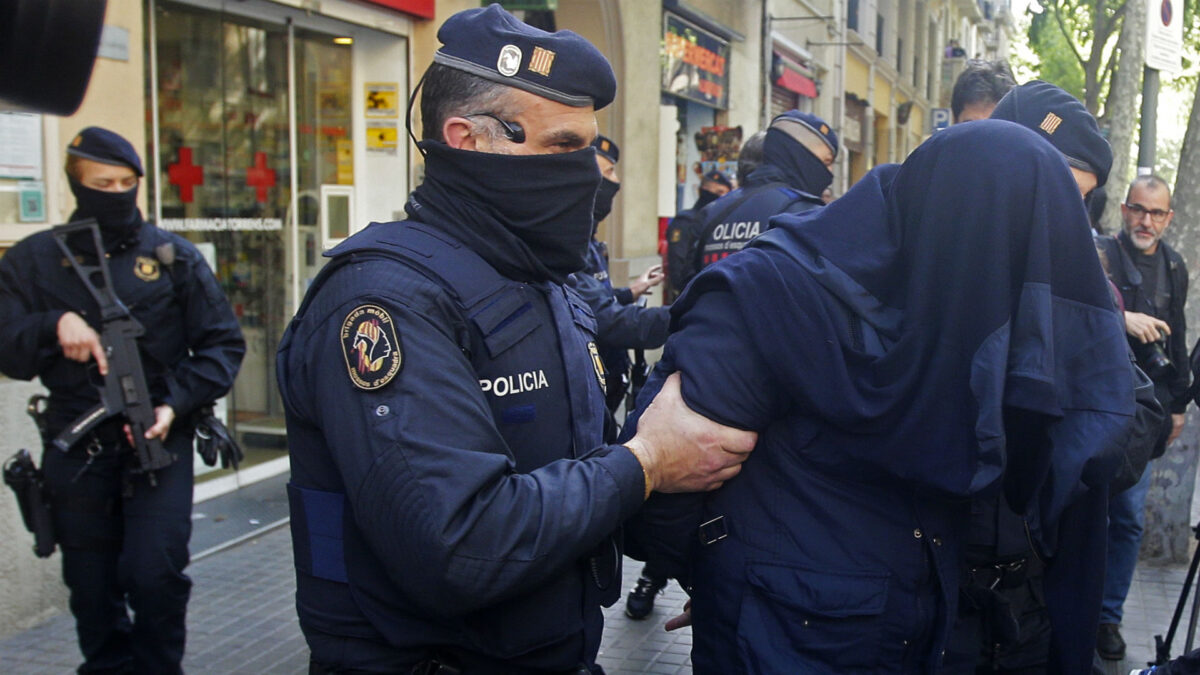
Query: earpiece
{"points": [[512, 131]]}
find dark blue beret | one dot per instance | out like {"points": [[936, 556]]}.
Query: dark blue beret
{"points": [[811, 122], [606, 147], [719, 178], [493, 44], [106, 147], [1061, 119]]}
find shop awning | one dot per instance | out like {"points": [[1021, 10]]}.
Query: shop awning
{"points": [[792, 76]]}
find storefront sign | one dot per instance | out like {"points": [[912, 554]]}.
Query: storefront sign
{"points": [[694, 63], [1164, 35], [383, 99], [20, 145], [382, 137], [221, 224]]}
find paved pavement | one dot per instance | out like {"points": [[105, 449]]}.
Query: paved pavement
{"points": [[242, 618]]}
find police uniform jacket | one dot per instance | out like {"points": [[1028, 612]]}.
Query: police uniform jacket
{"points": [[190, 351], [451, 499], [735, 219]]}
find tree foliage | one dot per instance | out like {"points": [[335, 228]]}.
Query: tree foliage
{"points": [[1075, 41]]}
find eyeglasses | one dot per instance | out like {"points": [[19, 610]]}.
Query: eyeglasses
{"points": [[1156, 215]]}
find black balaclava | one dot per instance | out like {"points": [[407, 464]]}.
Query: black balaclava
{"points": [[802, 168], [530, 216], [116, 212], [705, 199], [604, 199]]}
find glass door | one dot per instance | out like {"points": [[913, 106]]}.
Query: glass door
{"points": [[226, 163]]}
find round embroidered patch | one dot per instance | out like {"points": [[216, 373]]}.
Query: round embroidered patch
{"points": [[371, 347], [146, 269]]}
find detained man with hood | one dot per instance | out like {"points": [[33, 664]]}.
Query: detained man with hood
{"points": [[897, 359], [798, 153]]}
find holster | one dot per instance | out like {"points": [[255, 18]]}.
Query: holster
{"points": [[26, 481]]}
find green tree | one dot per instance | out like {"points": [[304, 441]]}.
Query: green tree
{"points": [[1075, 41]]}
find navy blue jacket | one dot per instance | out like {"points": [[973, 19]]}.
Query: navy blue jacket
{"points": [[192, 346], [450, 493], [895, 364], [732, 221]]}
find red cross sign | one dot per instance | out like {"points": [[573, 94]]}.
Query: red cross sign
{"points": [[260, 177], [186, 175]]}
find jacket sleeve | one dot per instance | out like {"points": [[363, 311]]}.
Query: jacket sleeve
{"points": [[1179, 345], [214, 339], [618, 325], [28, 332], [430, 480]]}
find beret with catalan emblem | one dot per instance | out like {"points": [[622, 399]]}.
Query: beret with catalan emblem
{"points": [[1062, 119], [605, 146], [561, 66], [106, 147], [811, 122]]}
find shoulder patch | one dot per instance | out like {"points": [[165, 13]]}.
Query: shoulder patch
{"points": [[371, 347], [146, 269], [598, 364]]}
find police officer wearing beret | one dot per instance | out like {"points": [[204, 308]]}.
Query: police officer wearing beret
{"points": [[1011, 618], [453, 504], [124, 536], [621, 325], [798, 152]]}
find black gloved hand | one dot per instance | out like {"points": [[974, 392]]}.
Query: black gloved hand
{"points": [[213, 440]]}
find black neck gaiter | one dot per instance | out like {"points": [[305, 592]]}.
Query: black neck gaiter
{"points": [[704, 199], [604, 199], [116, 212], [529, 216], [803, 170]]}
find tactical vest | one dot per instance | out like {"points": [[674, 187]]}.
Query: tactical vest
{"points": [[738, 218], [501, 316]]}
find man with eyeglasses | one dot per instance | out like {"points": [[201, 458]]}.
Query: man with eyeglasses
{"points": [[1152, 278]]}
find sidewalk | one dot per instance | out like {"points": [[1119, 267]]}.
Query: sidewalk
{"points": [[242, 617]]}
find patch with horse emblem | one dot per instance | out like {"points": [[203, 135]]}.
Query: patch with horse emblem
{"points": [[146, 269], [371, 347], [598, 364]]}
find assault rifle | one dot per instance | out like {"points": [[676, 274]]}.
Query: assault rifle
{"points": [[125, 391]]}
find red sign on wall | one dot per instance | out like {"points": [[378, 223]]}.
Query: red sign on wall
{"points": [[421, 8]]}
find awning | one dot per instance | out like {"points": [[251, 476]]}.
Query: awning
{"points": [[789, 76]]}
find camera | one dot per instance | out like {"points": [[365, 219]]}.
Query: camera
{"points": [[1152, 357]]}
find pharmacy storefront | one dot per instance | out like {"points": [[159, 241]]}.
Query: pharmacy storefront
{"points": [[274, 133]]}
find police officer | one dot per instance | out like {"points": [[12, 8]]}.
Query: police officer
{"points": [[686, 227], [452, 502], [1004, 625], [798, 151], [124, 536], [621, 325]]}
